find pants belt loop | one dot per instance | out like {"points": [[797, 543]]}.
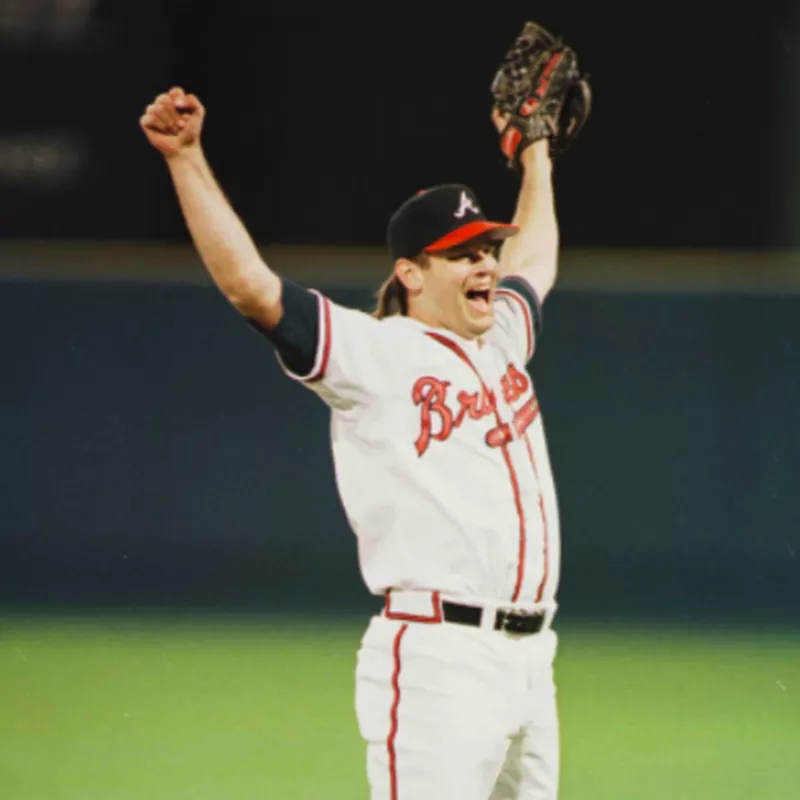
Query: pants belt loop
{"points": [[413, 606], [488, 618]]}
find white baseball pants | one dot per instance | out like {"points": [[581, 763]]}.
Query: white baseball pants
{"points": [[452, 712]]}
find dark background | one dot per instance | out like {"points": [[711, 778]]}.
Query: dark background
{"points": [[321, 122], [151, 454]]}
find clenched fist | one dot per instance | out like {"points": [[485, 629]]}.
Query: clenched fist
{"points": [[173, 121]]}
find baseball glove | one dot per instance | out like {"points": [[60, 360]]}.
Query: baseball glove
{"points": [[538, 87]]}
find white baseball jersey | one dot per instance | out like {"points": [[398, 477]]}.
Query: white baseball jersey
{"points": [[439, 452]]}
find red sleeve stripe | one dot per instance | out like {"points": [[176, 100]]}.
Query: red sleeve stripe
{"points": [[324, 344], [526, 312]]}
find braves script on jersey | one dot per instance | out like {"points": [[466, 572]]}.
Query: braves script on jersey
{"points": [[440, 453]]}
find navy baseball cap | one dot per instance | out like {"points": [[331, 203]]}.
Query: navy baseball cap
{"points": [[439, 218]]}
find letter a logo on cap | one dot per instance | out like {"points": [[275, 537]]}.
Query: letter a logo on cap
{"points": [[465, 205]]}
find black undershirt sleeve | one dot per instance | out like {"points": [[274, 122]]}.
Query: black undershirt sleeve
{"points": [[296, 336]]}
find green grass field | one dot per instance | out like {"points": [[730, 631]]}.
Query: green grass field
{"points": [[161, 708]]}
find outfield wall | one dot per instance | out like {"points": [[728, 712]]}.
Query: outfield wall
{"points": [[152, 453]]}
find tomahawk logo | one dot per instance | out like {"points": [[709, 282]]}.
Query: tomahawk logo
{"points": [[465, 205]]}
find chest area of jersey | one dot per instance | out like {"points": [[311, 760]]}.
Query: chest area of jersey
{"points": [[485, 402]]}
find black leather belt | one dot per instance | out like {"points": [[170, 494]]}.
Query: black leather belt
{"points": [[511, 621]]}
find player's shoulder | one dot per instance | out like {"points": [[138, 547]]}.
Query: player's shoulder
{"points": [[398, 337], [516, 292], [410, 334], [403, 326], [518, 317]]}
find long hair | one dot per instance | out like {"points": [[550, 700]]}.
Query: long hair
{"points": [[392, 296]]}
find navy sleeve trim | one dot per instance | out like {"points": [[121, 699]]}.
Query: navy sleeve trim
{"points": [[518, 289], [296, 336], [521, 286]]}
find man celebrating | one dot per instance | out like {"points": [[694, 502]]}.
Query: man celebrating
{"points": [[438, 444]]}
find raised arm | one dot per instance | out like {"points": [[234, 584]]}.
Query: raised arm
{"points": [[343, 354], [540, 105], [173, 123], [533, 253]]}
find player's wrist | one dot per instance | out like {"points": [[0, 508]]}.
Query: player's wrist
{"points": [[186, 152], [535, 160], [536, 154]]}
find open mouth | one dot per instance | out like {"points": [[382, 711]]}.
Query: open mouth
{"points": [[479, 299]]}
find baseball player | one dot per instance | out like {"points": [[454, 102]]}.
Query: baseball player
{"points": [[440, 459]]}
